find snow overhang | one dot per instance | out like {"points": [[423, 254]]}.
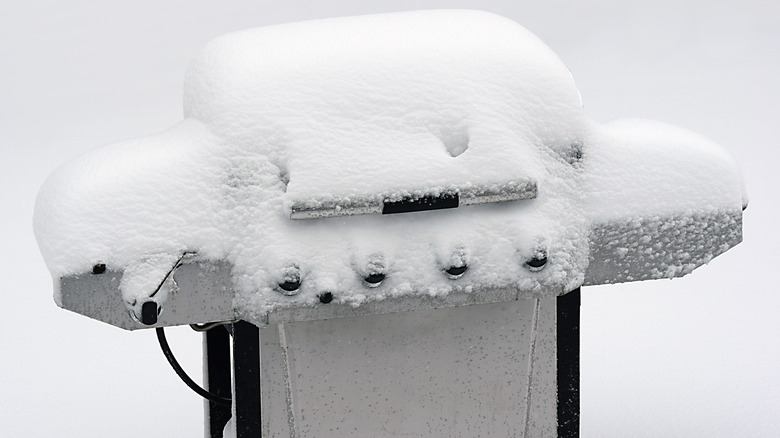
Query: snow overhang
{"points": [[265, 202]]}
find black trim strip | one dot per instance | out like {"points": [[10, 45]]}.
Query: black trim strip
{"points": [[568, 358], [246, 359], [427, 202], [218, 378]]}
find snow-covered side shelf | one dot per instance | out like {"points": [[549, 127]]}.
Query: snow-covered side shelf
{"points": [[266, 202]]}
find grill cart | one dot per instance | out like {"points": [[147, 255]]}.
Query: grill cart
{"points": [[381, 225]]}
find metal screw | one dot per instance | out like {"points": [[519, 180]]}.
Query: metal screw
{"points": [[374, 280], [538, 261], [455, 272], [292, 280], [290, 286]]}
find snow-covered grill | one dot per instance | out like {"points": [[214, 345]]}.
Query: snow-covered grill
{"points": [[269, 210]]}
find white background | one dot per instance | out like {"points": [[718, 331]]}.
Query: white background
{"points": [[693, 357]]}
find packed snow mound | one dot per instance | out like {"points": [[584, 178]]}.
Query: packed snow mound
{"points": [[380, 108], [646, 168], [394, 96]]}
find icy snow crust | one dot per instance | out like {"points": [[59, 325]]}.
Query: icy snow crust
{"points": [[375, 106]]}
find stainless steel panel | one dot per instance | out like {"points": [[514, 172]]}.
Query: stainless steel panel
{"points": [[647, 248], [462, 371], [205, 294]]}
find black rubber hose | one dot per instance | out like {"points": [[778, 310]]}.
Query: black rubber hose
{"points": [[183, 375]]}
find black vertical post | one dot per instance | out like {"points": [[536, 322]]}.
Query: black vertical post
{"points": [[216, 345], [246, 390], [568, 352]]}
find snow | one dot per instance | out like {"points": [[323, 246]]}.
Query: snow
{"points": [[420, 102], [660, 170]]}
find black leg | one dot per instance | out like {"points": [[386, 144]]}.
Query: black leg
{"points": [[217, 345], [246, 359], [568, 347]]}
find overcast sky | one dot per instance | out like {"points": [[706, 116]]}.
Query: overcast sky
{"points": [[697, 356]]}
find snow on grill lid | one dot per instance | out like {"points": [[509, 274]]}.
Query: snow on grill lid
{"points": [[414, 100], [399, 106]]}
